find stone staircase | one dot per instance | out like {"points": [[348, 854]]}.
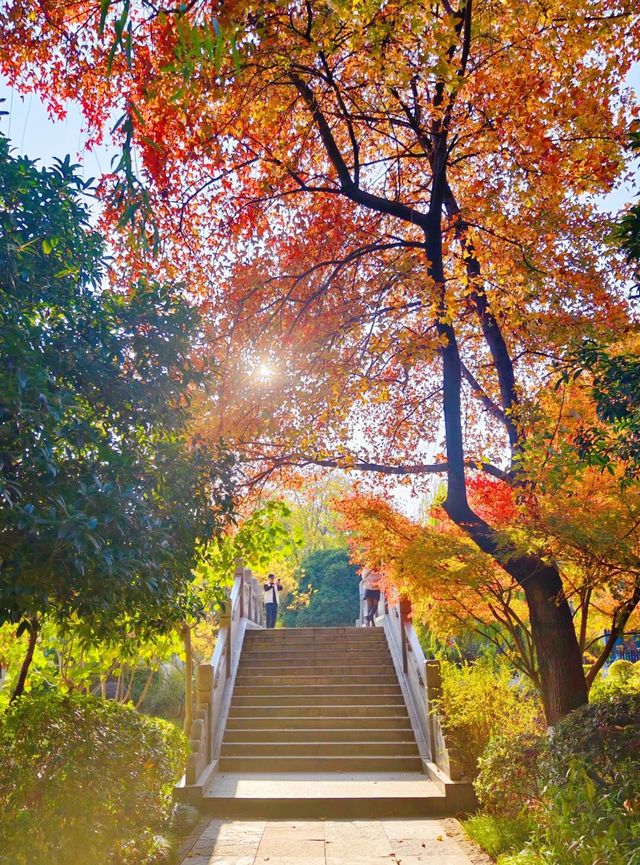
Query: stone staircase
{"points": [[318, 700], [318, 726]]}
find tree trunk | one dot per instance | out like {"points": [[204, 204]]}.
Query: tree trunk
{"points": [[559, 658], [562, 678], [145, 690], [24, 669]]}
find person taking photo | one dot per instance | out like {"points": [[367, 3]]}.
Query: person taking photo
{"points": [[272, 589]]}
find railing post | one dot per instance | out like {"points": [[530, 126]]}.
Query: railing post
{"points": [[201, 732], [255, 585], [434, 693], [225, 622], [204, 688], [246, 586]]}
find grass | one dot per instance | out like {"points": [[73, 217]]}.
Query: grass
{"points": [[525, 857], [500, 835]]}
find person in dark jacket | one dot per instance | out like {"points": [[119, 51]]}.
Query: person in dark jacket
{"points": [[371, 586], [272, 590]]}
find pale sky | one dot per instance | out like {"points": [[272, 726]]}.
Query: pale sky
{"points": [[32, 133]]}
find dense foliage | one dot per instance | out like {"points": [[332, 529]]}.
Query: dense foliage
{"points": [[576, 793], [480, 701], [103, 500], [84, 780], [511, 775], [327, 594], [592, 803]]}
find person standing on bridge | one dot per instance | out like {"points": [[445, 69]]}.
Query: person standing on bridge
{"points": [[272, 589], [371, 587]]}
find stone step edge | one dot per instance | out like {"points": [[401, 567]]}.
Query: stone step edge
{"points": [[282, 765], [409, 741], [326, 708]]}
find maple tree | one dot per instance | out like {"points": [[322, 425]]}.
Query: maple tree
{"points": [[586, 523], [389, 210]]}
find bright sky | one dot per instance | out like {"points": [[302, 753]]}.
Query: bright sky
{"points": [[32, 133]]}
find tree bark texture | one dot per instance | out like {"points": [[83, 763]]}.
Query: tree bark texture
{"points": [[559, 658], [28, 658]]}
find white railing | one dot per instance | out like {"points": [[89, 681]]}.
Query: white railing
{"points": [[410, 664], [215, 680], [420, 680]]}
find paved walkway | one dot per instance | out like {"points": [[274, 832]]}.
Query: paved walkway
{"points": [[332, 842]]}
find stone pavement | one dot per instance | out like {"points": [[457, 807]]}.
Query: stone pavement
{"points": [[333, 842]]}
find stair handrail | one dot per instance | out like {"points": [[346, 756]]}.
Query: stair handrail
{"points": [[421, 683], [394, 613], [214, 680]]}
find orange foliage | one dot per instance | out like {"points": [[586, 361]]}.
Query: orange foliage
{"points": [[493, 500], [287, 263]]}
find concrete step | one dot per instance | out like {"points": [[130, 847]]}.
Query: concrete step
{"points": [[315, 633], [373, 711], [314, 796], [277, 691], [361, 733], [276, 763], [356, 638], [374, 698], [331, 652], [303, 658], [315, 750], [318, 668], [337, 680], [346, 723], [321, 638]]}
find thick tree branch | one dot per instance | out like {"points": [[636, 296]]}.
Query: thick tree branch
{"points": [[492, 333], [347, 184], [620, 619], [404, 470]]}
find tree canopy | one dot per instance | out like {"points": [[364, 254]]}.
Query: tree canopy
{"points": [[390, 213], [327, 593], [104, 499]]}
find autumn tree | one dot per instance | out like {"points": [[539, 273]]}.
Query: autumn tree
{"points": [[589, 523], [391, 205]]}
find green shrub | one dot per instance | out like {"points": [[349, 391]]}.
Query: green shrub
{"points": [[606, 689], [511, 774], [599, 734], [592, 801], [622, 671], [623, 678], [498, 835], [479, 701], [84, 780], [586, 823]]}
